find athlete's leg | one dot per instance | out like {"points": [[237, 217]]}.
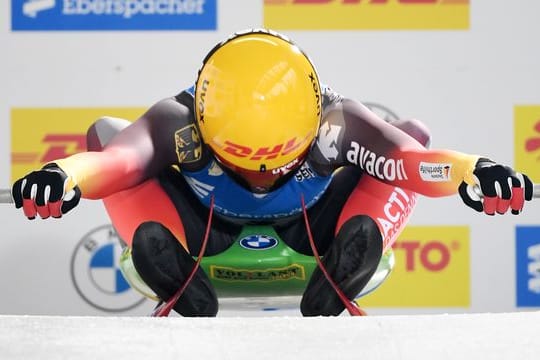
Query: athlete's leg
{"points": [[147, 219], [145, 202], [373, 216], [389, 206], [164, 264]]}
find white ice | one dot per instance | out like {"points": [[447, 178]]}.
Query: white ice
{"points": [[435, 337]]}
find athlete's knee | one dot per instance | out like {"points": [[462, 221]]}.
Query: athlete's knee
{"points": [[163, 265], [362, 226], [102, 131], [351, 261], [415, 128]]}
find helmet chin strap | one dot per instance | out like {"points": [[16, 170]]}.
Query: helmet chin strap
{"points": [[351, 307]]}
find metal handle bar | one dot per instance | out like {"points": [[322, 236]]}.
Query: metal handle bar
{"points": [[5, 196]]}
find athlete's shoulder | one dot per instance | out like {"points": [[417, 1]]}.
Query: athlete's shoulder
{"points": [[186, 97], [321, 161], [169, 110], [192, 153]]}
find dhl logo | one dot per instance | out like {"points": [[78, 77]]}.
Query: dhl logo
{"points": [[366, 14], [432, 269], [42, 135], [527, 140], [532, 142], [56, 146], [531, 151], [262, 153]]}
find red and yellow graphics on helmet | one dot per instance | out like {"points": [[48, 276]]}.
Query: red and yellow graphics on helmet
{"points": [[258, 106]]}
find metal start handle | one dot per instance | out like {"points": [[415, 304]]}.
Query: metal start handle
{"points": [[5, 196]]}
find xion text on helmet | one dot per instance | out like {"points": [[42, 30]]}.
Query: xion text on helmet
{"points": [[316, 87], [204, 88]]}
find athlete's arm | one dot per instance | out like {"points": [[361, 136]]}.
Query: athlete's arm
{"points": [[389, 154], [137, 153]]}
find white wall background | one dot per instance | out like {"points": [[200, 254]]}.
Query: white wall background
{"points": [[463, 84]]}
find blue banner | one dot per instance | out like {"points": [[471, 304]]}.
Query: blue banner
{"points": [[88, 15], [528, 266]]}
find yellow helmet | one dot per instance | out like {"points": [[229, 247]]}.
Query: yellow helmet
{"points": [[258, 106]]}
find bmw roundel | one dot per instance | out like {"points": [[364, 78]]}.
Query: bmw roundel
{"points": [[96, 273], [258, 242]]}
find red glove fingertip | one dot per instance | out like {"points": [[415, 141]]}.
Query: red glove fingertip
{"points": [[518, 199], [55, 208], [503, 205], [490, 205], [29, 208], [43, 211]]}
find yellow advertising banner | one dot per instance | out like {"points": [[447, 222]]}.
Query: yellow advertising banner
{"points": [[432, 270], [366, 14], [41, 135], [527, 140]]}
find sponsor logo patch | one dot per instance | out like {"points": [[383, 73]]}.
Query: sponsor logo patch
{"points": [[434, 172], [327, 140], [376, 165], [188, 144], [293, 271], [258, 242]]}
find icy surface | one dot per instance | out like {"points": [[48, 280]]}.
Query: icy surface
{"points": [[472, 336]]}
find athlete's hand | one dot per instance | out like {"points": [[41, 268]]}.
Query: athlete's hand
{"points": [[497, 189], [45, 192]]}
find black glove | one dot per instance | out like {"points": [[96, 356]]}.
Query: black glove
{"points": [[44, 193], [498, 187]]}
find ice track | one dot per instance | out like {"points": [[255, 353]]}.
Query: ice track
{"points": [[474, 336]]}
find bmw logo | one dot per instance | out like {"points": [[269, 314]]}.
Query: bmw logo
{"points": [[96, 274], [258, 242]]}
